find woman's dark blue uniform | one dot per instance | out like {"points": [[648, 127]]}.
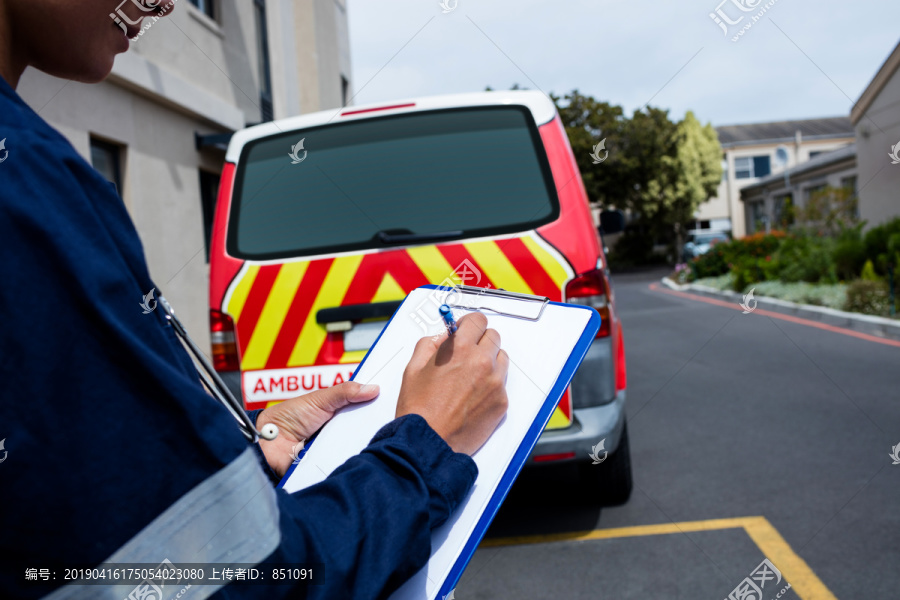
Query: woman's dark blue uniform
{"points": [[106, 423]]}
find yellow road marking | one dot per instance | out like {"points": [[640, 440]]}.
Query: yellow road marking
{"points": [[794, 569], [802, 579]]}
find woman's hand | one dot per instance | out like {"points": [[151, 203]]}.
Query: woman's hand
{"points": [[298, 418], [458, 384]]}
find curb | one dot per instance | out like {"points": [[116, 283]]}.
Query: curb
{"points": [[878, 326]]}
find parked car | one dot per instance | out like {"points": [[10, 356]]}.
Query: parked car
{"points": [[700, 243], [326, 221]]}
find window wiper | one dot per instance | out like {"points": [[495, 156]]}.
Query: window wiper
{"points": [[403, 236]]}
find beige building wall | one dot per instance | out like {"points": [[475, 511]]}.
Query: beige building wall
{"points": [[877, 120], [189, 74], [727, 204], [759, 201], [323, 46]]}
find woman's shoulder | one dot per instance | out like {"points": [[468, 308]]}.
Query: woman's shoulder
{"points": [[25, 132]]}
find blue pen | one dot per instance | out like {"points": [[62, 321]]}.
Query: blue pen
{"points": [[448, 318]]}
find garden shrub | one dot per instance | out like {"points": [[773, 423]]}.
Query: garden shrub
{"points": [[868, 297], [832, 296], [711, 264], [741, 277], [882, 246], [849, 253], [748, 259], [808, 258], [868, 272]]}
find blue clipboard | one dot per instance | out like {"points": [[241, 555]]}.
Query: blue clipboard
{"points": [[531, 437]]}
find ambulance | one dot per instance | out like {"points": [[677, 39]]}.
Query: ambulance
{"points": [[324, 222]]}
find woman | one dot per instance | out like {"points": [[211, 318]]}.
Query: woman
{"points": [[115, 453]]}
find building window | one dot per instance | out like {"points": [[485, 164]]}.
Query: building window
{"points": [[209, 191], [815, 192], [816, 203], [106, 158], [783, 211], [852, 201], [743, 167], [345, 91], [849, 183], [762, 166], [262, 50], [207, 7], [758, 216], [749, 167]]}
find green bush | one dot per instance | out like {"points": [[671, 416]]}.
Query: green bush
{"points": [[832, 296], [742, 277], [721, 283], [806, 258], [849, 254], [749, 259], [711, 264], [868, 297], [882, 243], [868, 272]]}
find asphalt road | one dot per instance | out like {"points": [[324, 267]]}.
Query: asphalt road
{"points": [[752, 438]]}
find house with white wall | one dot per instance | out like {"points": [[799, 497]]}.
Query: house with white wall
{"points": [[752, 152]]}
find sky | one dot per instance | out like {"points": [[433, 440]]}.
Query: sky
{"points": [[801, 59]]}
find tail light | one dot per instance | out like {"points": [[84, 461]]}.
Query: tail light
{"points": [[590, 289], [621, 378], [553, 457], [221, 336]]}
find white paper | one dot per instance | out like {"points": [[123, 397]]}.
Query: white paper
{"points": [[537, 352]]}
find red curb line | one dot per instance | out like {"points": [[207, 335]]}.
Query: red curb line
{"points": [[775, 315]]}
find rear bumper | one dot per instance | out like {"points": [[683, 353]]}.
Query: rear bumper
{"points": [[589, 427]]}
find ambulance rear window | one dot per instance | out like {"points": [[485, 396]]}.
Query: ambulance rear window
{"points": [[480, 171]]}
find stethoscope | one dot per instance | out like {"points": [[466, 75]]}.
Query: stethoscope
{"points": [[214, 383]]}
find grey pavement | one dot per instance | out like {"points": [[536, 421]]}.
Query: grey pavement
{"points": [[730, 416]]}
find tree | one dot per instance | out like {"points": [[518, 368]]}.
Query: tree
{"points": [[588, 122], [659, 170], [695, 171]]}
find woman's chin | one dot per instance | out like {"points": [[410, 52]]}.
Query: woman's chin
{"points": [[93, 69]]}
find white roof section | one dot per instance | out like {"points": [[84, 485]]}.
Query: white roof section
{"points": [[541, 107]]}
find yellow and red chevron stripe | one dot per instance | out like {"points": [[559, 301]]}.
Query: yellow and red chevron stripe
{"points": [[274, 306]]}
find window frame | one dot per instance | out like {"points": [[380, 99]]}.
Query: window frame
{"points": [[208, 200], [206, 7], [737, 171], [117, 150], [264, 62], [231, 241]]}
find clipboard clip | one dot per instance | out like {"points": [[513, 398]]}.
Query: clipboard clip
{"points": [[482, 297]]}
